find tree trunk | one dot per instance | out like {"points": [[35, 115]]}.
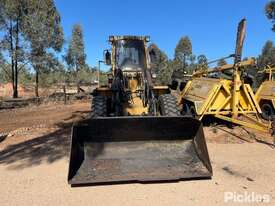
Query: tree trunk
{"points": [[65, 96], [12, 58], [77, 81], [36, 83], [13, 78], [15, 89]]}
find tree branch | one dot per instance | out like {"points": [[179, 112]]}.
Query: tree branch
{"points": [[24, 64], [7, 73]]}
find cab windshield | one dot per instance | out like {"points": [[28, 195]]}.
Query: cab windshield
{"points": [[130, 54]]}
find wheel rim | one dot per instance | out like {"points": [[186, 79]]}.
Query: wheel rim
{"points": [[267, 111]]}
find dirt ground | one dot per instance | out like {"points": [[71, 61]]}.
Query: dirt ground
{"points": [[34, 151]]}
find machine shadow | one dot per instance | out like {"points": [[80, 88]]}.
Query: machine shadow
{"points": [[46, 148]]}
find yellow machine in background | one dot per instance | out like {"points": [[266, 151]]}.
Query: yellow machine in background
{"points": [[265, 94], [229, 100], [224, 99]]}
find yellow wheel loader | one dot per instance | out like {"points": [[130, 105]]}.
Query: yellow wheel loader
{"points": [[135, 132]]}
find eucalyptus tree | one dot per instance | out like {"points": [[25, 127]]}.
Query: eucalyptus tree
{"points": [[42, 28], [270, 12], [267, 57], [183, 50], [30, 29], [75, 56], [159, 64], [13, 44]]}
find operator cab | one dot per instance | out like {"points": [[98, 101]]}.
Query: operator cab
{"points": [[130, 55]]}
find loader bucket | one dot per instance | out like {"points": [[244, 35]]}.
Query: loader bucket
{"points": [[138, 149]]}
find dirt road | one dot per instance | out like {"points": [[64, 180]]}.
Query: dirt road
{"points": [[34, 166]]}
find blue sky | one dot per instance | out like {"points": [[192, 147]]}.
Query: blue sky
{"points": [[210, 24]]}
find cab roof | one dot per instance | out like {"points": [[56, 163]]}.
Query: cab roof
{"points": [[113, 38]]}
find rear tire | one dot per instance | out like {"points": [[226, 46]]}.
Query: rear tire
{"points": [[185, 109], [99, 106], [189, 111], [267, 111], [168, 105], [193, 111]]}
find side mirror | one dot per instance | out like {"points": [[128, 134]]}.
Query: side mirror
{"points": [[153, 57], [107, 58]]}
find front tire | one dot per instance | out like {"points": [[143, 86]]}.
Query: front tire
{"points": [[267, 111], [189, 111], [99, 107], [168, 105]]}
